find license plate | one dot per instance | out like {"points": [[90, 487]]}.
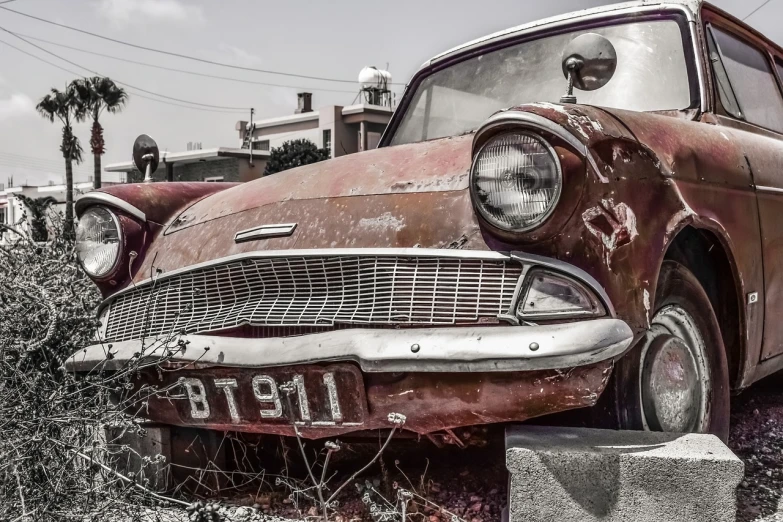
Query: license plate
{"points": [[320, 396]]}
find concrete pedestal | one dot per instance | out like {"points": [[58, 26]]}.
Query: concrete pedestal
{"points": [[165, 456], [573, 474], [128, 450]]}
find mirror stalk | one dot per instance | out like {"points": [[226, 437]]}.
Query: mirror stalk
{"points": [[148, 170], [572, 65]]}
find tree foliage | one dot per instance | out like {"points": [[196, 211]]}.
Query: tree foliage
{"points": [[98, 94], [38, 208], [292, 154], [67, 107]]}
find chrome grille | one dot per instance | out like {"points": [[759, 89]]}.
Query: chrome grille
{"points": [[316, 290]]}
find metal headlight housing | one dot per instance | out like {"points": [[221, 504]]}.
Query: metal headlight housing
{"points": [[516, 180], [98, 241]]}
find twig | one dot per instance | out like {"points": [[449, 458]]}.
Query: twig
{"points": [[19, 488], [24, 515], [123, 477], [398, 420], [318, 485]]}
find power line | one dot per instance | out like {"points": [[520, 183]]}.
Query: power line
{"points": [[746, 17], [57, 171], [31, 160], [183, 71], [135, 93], [120, 82], [35, 166], [41, 59], [46, 162], [178, 55]]}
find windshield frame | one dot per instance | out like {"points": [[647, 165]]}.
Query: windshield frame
{"points": [[683, 16]]}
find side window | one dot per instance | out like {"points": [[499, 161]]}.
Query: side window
{"points": [[779, 66], [753, 82], [725, 92], [262, 145]]}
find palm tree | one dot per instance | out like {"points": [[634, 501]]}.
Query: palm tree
{"points": [[38, 208], [66, 107], [98, 94]]}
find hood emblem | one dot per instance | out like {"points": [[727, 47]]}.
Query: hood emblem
{"points": [[264, 232]]}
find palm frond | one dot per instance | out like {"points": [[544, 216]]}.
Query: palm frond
{"points": [[104, 94]]}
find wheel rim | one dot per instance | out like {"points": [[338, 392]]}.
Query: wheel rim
{"points": [[674, 377]]}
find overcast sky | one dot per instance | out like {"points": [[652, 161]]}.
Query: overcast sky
{"points": [[324, 38]]}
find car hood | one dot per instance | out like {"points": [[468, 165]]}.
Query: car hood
{"points": [[406, 196], [439, 165]]}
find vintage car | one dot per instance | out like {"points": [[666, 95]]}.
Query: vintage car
{"points": [[584, 207]]}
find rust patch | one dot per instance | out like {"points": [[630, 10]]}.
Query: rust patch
{"points": [[458, 243], [431, 401], [404, 220], [614, 225]]}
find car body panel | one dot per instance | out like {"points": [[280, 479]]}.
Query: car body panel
{"points": [[431, 402], [645, 179]]}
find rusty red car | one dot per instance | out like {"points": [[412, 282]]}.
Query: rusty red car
{"points": [[584, 207]]}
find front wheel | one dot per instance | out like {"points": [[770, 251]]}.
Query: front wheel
{"points": [[676, 378]]}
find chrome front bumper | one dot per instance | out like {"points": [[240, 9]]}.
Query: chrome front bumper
{"points": [[452, 349]]}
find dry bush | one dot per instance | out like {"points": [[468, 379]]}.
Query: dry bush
{"points": [[51, 449]]}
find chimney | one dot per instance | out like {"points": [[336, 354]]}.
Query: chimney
{"points": [[304, 102]]}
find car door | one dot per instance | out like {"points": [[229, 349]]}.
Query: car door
{"points": [[750, 95]]}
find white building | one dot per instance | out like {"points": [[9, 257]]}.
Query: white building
{"points": [[12, 208], [341, 130]]}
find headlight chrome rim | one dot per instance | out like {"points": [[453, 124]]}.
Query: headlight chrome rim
{"points": [[116, 221], [541, 219]]}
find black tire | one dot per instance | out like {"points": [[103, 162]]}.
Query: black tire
{"points": [[678, 290]]}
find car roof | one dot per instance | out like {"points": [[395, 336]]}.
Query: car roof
{"points": [[690, 6]]}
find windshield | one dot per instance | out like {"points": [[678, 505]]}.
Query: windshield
{"points": [[651, 75]]}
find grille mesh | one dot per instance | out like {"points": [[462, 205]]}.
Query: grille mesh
{"points": [[318, 291]]}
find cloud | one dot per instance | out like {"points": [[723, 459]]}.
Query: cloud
{"points": [[125, 12], [16, 105], [239, 56]]}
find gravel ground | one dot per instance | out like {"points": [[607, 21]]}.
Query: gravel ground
{"points": [[757, 438]]}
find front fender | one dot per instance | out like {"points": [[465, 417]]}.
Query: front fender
{"points": [[143, 210], [647, 177], [155, 202]]}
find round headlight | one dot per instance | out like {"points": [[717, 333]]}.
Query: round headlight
{"points": [[98, 241], [516, 181]]}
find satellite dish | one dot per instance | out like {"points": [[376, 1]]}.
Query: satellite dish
{"points": [[146, 156]]}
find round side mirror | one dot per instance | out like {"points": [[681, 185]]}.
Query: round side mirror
{"points": [[146, 156], [590, 60]]}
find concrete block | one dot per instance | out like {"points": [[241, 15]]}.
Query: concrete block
{"points": [[192, 458], [199, 459], [585, 475], [143, 456]]}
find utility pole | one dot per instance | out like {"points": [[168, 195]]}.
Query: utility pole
{"points": [[250, 141]]}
